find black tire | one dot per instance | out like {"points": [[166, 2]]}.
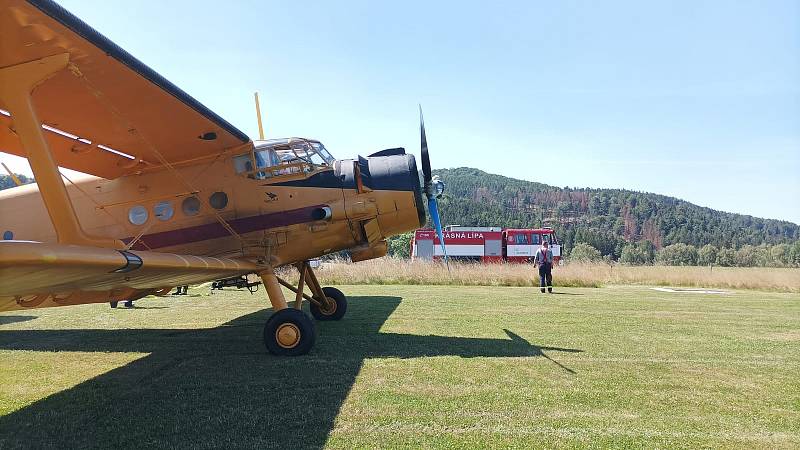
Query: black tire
{"points": [[339, 301], [291, 321]]}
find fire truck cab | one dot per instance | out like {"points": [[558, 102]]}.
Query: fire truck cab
{"points": [[521, 245]]}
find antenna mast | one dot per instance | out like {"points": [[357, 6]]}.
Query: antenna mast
{"points": [[258, 115], [12, 175]]}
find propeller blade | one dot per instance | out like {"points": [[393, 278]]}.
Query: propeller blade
{"points": [[433, 209], [426, 158]]}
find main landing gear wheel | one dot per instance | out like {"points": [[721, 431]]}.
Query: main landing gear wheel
{"points": [[289, 332], [334, 308]]}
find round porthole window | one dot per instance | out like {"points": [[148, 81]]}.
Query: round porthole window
{"points": [[138, 215], [218, 200], [191, 206], [164, 211], [8, 235]]}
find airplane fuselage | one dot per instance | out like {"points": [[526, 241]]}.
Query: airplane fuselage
{"points": [[208, 209]]}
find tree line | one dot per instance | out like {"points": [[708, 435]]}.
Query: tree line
{"points": [[645, 253], [7, 182]]}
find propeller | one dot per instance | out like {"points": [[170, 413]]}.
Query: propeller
{"points": [[433, 187]]}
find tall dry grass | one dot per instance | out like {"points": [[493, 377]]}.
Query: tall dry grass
{"points": [[399, 271]]}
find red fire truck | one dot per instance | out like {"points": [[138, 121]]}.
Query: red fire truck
{"points": [[485, 244]]}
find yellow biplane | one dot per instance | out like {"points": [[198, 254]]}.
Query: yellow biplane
{"points": [[176, 195]]}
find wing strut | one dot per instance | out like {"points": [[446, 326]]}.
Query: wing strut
{"points": [[101, 96], [16, 85]]}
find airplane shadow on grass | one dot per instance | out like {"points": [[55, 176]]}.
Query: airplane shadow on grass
{"points": [[217, 387], [4, 320]]}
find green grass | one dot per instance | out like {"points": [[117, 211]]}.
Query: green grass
{"points": [[427, 366]]}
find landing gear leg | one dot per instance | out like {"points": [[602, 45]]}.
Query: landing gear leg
{"points": [[289, 331], [327, 303], [331, 303]]}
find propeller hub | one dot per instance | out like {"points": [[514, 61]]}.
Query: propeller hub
{"points": [[436, 187]]}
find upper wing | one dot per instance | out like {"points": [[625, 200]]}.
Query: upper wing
{"points": [[35, 275], [106, 96]]}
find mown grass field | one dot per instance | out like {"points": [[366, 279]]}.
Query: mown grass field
{"points": [[426, 366], [389, 270]]}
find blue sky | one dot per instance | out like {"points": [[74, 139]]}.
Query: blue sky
{"points": [[694, 99]]}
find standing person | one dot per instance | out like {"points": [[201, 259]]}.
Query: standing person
{"points": [[544, 259], [181, 290], [126, 303]]}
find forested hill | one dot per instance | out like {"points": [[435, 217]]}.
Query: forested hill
{"points": [[604, 218]]}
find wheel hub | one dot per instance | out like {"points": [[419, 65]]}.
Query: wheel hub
{"points": [[287, 335], [328, 307]]}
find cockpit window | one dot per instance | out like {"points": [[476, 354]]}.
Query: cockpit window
{"points": [[323, 152], [283, 156], [266, 158], [293, 151]]}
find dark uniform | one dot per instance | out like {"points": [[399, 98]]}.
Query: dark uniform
{"points": [[544, 259]]}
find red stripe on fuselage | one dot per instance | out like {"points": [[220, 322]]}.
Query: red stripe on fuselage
{"points": [[215, 229]]}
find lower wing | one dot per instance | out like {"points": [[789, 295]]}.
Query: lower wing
{"points": [[38, 275]]}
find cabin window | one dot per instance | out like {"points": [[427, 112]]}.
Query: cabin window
{"points": [[191, 206], [521, 239], [218, 200], [164, 211], [535, 239], [138, 215], [243, 163]]}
